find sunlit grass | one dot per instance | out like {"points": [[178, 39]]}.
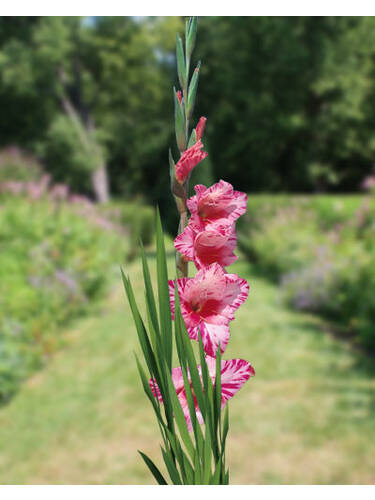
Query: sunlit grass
{"points": [[307, 417]]}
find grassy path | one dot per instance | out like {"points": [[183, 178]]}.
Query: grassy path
{"points": [[307, 417]]}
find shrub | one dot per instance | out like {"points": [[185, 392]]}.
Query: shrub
{"points": [[138, 218], [321, 251], [54, 263], [18, 166]]}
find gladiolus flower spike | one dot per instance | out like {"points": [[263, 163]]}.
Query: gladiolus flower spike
{"points": [[199, 308]]}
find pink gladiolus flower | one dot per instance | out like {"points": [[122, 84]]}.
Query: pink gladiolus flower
{"points": [[215, 243], [199, 129], [216, 203], [179, 96], [189, 159], [234, 373], [208, 302]]}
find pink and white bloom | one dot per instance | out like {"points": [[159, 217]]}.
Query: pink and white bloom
{"points": [[234, 373], [188, 160], [215, 243], [208, 302], [216, 203]]}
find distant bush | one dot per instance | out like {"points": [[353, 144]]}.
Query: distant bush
{"points": [[138, 218], [66, 159], [16, 165], [321, 251], [55, 260]]}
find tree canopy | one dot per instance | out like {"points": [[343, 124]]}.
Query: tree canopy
{"points": [[290, 101]]}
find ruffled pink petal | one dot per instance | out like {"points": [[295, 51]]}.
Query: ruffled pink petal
{"points": [[214, 244], [212, 336], [184, 243], [236, 297], [240, 204], [193, 331], [192, 203], [207, 284], [208, 302], [219, 202], [181, 284], [234, 373], [189, 159], [236, 292]]}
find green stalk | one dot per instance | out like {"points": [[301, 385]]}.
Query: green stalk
{"points": [[183, 61]]}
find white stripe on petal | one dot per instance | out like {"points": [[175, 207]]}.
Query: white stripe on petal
{"points": [[212, 336]]}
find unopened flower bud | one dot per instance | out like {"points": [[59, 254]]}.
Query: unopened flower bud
{"points": [[200, 127]]}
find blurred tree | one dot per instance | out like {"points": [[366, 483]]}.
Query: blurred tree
{"points": [[288, 100], [94, 89]]}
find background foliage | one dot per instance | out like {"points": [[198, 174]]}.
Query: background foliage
{"points": [[320, 249], [290, 101]]}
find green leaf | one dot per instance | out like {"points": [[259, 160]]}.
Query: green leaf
{"points": [[150, 297], [199, 441], [188, 470], [207, 456], [208, 389], [163, 292], [191, 36], [192, 364], [197, 472], [193, 138], [155, 367], [141, 330], [154, 470], [148, 392], [226, 477], [215, 479], [172, 169], [192, 91], [172, 469], [181, 457], [217, 389], [179, 417], [187, 27], [225, 428], [181, 68]]}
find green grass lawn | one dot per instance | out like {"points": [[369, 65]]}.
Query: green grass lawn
{"points": [[307, 417]]}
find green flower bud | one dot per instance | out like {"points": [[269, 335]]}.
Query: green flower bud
{"points": [[181, 67], [179, 118], [191, 33], [192, 91]]}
